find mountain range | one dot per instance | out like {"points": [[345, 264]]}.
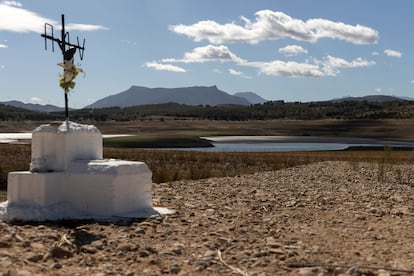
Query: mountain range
{"points": [[34, 107], [372, 98], [251, 97], [196, 95]]}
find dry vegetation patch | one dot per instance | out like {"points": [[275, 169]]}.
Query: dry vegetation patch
{"points": [[180, 165]]}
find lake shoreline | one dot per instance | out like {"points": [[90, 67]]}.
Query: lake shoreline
{"points": [[304, 139]]}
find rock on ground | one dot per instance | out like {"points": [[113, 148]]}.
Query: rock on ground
{"points": [[329, 218]]}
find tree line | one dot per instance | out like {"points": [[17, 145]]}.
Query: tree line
{"points": [[265, 111]]}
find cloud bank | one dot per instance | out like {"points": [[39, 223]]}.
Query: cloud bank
{"points": [[329, 66], [275, 25], [267, 26]]}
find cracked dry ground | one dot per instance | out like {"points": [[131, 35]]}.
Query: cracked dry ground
{"points": [[327, 218]]}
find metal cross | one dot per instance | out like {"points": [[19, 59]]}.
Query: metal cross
{"points": [[68, 50]]}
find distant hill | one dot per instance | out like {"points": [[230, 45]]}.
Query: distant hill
{"points": [[407, 98], [196, 95], [347, 110], [371, 98], [9, 113], [251, 97], [34, 107]]}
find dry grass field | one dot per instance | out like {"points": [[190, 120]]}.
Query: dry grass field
{"points": [[176, 165], [393, 129], [169, 166]]}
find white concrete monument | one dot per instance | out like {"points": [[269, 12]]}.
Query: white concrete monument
{"points": [[69, 179]]}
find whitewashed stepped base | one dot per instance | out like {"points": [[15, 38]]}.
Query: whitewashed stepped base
{"points": [[70, 180]]}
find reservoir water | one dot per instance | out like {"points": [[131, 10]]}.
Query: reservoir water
{"points": [[291, 143], [269, 147], [264, 143]]}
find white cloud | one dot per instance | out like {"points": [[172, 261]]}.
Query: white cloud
{"points": [[200, 54], [214, 32], [342, 63], [3, 46], [208, 53], [317, 68], [35, 100], [273, 25], [412, 82], [84, 27], [358, 34], [287, 69], [235, 73], [392, 53], [375, 53], [238, 73], [331, 64], [293, 50], [16, 19], [12, 3], [327, 67], [164, 67]]}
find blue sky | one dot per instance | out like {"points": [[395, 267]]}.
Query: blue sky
{"points": [[292, 50]]}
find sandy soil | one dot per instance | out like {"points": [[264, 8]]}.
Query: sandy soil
{"points": [[327, 218]]}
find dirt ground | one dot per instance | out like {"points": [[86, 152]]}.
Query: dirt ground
{"points": [[328, 218]]}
